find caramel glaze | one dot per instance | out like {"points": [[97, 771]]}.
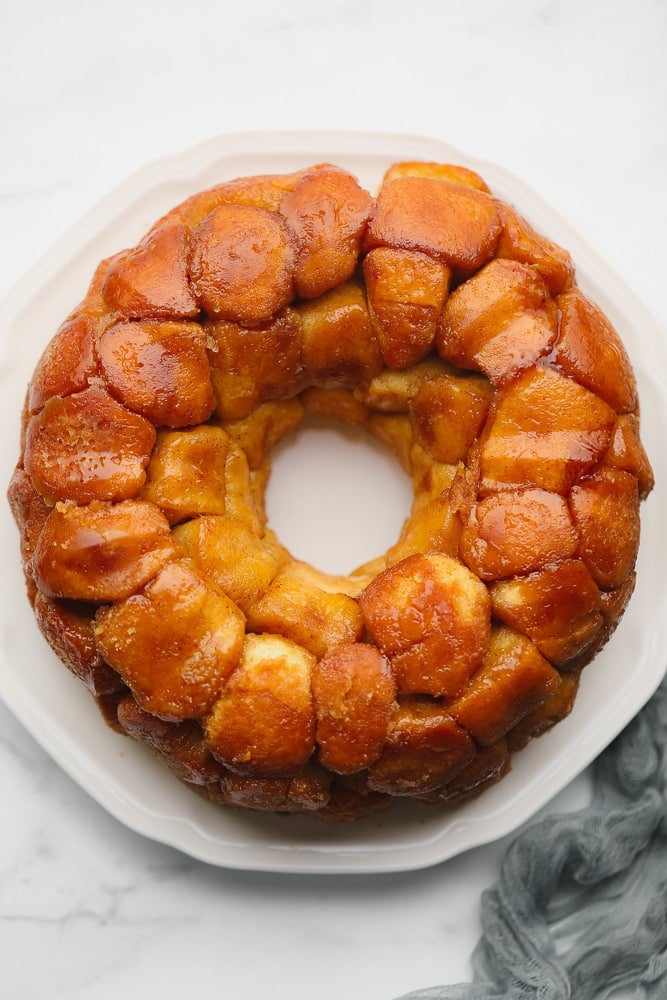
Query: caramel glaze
{"points": [[437, 318]]}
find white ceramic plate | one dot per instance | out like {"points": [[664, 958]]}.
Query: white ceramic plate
{"points": [[133, 786]]}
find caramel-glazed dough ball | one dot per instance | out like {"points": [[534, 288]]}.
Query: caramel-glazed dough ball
{"points": [[433, 315]]}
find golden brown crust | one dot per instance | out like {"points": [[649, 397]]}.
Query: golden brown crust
{"points": [[406, 295], [354, 691], [499, 322], [101, 552], [68, 628], [151, 280], [453, 223], [327, 212], [174, 644], [67, 364], [431, 615], [242, 264], [263, 724], [590, 350], [434, 316], [519, 241], [174, 387], [426, 749], [87, 447]]}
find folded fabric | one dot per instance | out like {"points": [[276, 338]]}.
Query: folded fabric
{"points": [[580, 907]]}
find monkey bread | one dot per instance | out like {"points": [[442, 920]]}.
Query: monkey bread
{"points": [[436, 318]]}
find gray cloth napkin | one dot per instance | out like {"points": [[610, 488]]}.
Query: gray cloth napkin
{"points": [[580, 908]]}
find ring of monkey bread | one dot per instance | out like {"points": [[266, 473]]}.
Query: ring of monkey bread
{"points": [[432, 315]]}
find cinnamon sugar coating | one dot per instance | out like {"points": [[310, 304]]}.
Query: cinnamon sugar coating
{"points": [[433, 315]]}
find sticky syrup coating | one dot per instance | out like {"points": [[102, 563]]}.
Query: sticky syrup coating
{"points": [[433, 315]]}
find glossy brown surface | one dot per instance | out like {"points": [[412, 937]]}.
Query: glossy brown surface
{"points": [[158, 369], [448, 414], [180, 746], [175, 644], [101, 552], [338, 348], [590, 350], [406, 293], [453, 223], [327, 213], [250, 366], [605, 509], [513, 680], [264, 721], [546, 430], [68, 628], [67, 363], [152, 279], [242, 266], [425, 750], [102, 448], [186, 472], [302, 611], [499, 321], [432, 616], [558, 607], [432, 315], [520, 242], [517, 532], [354, 691], [30, 513]]}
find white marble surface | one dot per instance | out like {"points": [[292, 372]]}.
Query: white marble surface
{"points": [[570, 96]]}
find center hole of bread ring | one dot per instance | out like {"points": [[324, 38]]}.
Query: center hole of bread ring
{"points": [[337, 496]]}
